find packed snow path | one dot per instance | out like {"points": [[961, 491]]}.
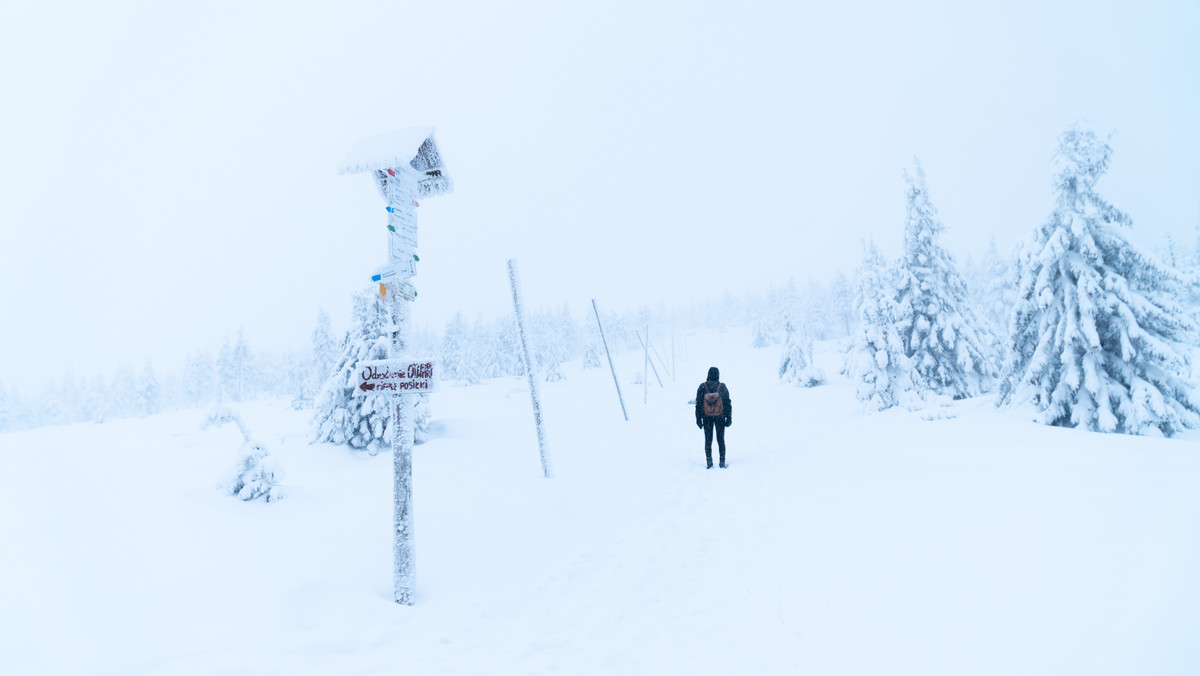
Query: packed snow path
{"points": [[836, 543]]}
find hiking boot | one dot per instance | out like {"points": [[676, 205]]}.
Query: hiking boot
{"points": [[709, 465], [723, 465]]}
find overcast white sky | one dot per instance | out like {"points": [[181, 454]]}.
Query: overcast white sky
{"points": [[167, 171]]}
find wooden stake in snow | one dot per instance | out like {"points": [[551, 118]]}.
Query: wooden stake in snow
{"points": [[648, 359], [610, 361], [533, 385], [672, 356], [645, 374]]}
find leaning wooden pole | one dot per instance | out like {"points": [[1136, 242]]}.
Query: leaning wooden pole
{"points": [[610, 361], [543, 452], [648, 359]]}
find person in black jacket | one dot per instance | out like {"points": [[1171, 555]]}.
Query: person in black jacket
{"points": [[714, 410]]}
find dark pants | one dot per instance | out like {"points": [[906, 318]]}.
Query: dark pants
{"points": [[709, 424]]}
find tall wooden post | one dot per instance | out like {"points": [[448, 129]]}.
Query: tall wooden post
{"points": [[405, 164], [403, 430], [610, 361], [518, 308]]}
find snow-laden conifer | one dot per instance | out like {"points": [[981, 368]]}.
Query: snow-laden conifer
{"points": [[997, 292], [149, 392], [841, 296], [457, 354], [876, 358], [324, 348], [949, 347], [796, 364], [341, 417], [1095, 335], [763, 333], [361, 422]]}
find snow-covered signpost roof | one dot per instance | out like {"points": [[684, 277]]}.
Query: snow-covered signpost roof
{"points": [[413, 151], [406, 164]]}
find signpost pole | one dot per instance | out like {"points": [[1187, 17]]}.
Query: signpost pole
{"points": [[404, 164], [403, 549]]}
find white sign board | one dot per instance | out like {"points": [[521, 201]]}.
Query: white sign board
{"points": [[400, 259], [407, 235], [400, 216], [395, 376]]}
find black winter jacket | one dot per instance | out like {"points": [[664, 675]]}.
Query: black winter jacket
{"points": [[708, 387]]}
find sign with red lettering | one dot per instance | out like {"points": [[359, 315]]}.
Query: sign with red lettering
{"points": [[395, 376]]}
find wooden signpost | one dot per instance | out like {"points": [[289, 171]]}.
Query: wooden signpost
{"points": [[406, 166]]}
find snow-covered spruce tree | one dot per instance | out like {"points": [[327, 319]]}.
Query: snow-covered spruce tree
{"points": [[340, 416], [814, 307], [796, 365], [361, 422], [763, 333], [199, 379], [149, 393], [949, 346], [324, 348], [876, 358], [457, 362], [1095, 335], [243, 368], [995, 291], [841, 295], [593, 347], [123, 392]]}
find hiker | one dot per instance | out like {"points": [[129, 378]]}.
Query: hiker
{"points": [[714, 409]]}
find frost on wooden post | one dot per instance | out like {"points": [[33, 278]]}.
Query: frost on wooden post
{"points": [[519, 309], [404, 573], [257, 473]]}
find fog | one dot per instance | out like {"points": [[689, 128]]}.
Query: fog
{"points": [[169, 173]]}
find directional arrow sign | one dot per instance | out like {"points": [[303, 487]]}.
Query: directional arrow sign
{"points": [[393, 376], [396, 270]]}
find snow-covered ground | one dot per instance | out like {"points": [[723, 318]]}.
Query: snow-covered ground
{"points": [[836, 543]]}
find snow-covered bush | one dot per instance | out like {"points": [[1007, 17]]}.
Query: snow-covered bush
{"points": [[257, 473], [796, 365], [1096, 337]]}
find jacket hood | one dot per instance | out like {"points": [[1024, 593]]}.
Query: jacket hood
{"points": [[714, 373]]}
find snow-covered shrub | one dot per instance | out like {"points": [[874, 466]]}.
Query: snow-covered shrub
{"points": [[591, 354], [796, 365], [1097, 338], [257, 473]]}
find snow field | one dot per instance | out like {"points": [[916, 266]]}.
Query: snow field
{"points": [[836, 543]]}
